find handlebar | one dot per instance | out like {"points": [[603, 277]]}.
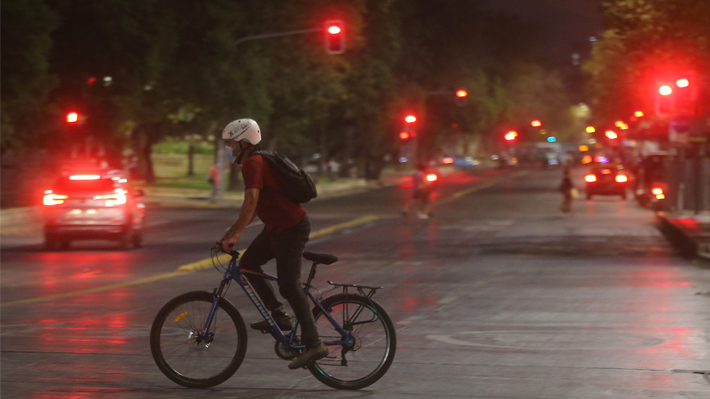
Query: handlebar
{"points": [[218, 247]]}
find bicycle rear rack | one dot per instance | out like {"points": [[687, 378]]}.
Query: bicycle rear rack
{"points": [[360, 288]]}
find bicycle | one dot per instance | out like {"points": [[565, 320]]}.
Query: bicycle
{"points": [[199, 339]]}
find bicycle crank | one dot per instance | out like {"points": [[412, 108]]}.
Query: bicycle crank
{"points": [[284, 352]]}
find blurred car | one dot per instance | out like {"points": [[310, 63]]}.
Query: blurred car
{"points": [[89, 203], [460, 162], [606, 179]]}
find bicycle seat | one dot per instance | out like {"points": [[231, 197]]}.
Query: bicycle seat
{"points": [[325, 259]]}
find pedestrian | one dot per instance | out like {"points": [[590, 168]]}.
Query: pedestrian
{"points": [[214, 178], [566, 188], [421, 192], [286, 231]]}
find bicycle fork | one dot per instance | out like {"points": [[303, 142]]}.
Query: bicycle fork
{"points": [[210, 318]]}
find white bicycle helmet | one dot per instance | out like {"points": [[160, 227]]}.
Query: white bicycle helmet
{"points": [[242, 130]]}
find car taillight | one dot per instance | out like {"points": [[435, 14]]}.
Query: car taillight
{"points": [[84, 177], [53, 199], [621, 178], [447, 160], [590, 178], [431, 177], [114, 199]]}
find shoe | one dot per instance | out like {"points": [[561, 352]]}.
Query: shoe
{"points": [[284, 322], [309, 356]]}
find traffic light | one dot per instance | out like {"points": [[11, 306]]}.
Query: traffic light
{"points": [[510, 136], [410, 118], [536, 123], [72, 117], [334, 37], [461, 97], [552, 139]]}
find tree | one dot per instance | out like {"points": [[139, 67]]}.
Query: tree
{"points": [[645, 41], [26, 26]]}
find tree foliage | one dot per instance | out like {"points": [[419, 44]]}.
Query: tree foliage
{"points": [[646, 41]]}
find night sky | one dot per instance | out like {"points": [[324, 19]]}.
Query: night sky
{"points": [[567, 24]]}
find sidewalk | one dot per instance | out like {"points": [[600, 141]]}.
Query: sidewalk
{"points": [[689, 232], [233, 199]]}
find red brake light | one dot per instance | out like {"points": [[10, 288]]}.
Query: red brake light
{"points": [[53, 199], [657, 191], [621, 178], [447, 160], [431, 177], [590, 178], [84, 177]]}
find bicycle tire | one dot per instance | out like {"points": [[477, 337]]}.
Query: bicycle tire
{"points": [[162, 338], [328, 371]]}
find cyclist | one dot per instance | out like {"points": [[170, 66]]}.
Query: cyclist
{"points": [[285, 233], [420, 195]]}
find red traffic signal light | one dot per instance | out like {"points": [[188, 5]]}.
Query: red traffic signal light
{"points": [[410, 118], [334, 37], [461, 93], [72, 117], [510, 136], [536, 123]]}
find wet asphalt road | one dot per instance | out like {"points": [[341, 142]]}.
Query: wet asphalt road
{"points": [[497, 296]]}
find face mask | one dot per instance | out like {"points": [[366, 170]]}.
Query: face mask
{"points": [[229, 154]]}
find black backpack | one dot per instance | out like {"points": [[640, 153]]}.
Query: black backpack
{"points": [[295, 184]]}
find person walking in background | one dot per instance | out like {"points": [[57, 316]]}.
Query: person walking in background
{"points": [[566, 188], [215, 180]]}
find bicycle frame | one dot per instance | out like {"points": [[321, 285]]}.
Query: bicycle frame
{"points": [[235, 273]]}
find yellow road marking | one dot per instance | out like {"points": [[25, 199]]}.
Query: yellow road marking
{"points": [[483, 186], [182, 270]]}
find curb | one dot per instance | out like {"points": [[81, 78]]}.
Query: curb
{"points": [[686, 241]]}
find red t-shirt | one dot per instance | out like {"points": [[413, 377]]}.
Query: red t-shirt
{"points": [[274, 209]]}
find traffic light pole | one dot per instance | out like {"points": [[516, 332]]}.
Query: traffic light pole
{"points": [[278, 34]]}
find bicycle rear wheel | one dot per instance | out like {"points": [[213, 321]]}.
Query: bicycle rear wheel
{"points": [[181, 350], [365, 361]]}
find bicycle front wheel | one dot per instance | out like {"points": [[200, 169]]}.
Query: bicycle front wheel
{"points": [[374, 342], [189, 356]]}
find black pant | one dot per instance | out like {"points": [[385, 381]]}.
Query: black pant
{"points": [[287, 247]]}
